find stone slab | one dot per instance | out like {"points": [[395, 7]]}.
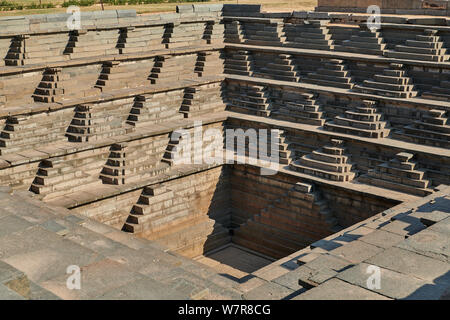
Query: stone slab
{"points": [[268, 291], [411, 263], [336, 289]]}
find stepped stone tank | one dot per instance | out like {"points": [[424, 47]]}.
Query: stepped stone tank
{"points": [[90, 146]]}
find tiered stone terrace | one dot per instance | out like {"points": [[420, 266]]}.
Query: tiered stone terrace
{"points": [[96, 174]]}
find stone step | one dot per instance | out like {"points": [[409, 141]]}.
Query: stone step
{"points": [[358, 124], [322, 173], [395, 94], [392, 80], [329, 83], [320, 156], [388, 86], [310, 161], [424, 44], [421, 138], [376, 134], [394, 186], [415, 56], [304, 44]]}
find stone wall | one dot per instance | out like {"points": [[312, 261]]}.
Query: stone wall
{"points": [[278, 215], [438, 7], [189, 215]]}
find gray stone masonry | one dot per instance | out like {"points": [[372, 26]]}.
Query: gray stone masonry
{"points": [[311, 34], [394, 82], [433, 129], [239, 62], [297, 107], [281, 226], [362, 120], [333, 73], [428, 46], [365, 40], [281, 68], [399, 173], [250, 99], [329, 162]]}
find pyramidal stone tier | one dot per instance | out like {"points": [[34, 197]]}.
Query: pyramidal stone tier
{"points": [[334, 73], [126, 164], [214, 32], [312, 34], [179, 35], [329, 162], [433, 129], [394, 82], [281, 68], [80, 128], [59, 176], [25, 49], [21, 133], [84, 43], [249, 99], [132, 39], [209, 63], [110, 76], [240, 63], [155, 108], [49, 89], [264, 34], [234, 32], [426, 47], [400, 174], [113, 172], [364, 41], [202, 100], [168, 69], [363, 121], [173, 153], [92, 122], [297, 107], [151, 205]]}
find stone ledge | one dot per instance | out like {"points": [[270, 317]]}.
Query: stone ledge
{"points": [[317, 88], [140, 133], [112, 95], [336, 55], [10, 70], [385, 142]]}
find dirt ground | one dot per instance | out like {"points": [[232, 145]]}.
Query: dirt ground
{"points": [[268, 5]]}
